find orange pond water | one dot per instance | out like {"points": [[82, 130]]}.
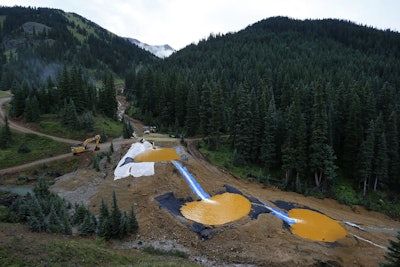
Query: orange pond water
{"points": [[218, 209], [316, 226], [156, 155]]}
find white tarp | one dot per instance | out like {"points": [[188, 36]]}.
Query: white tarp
{"points": [[127, 167]]}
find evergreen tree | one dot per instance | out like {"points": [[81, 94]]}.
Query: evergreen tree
{"points": [[268, 145], [294, 148], [353, 132], [123, 226], [55, 225], [127, 129], [133, 224], [67, 228], [115, 217], [393, 150], [5, 135], [107, 97], [216, 121], [36, 219], [192, 112], [104, 221], [366, 156], [322, 155], [32, 112], [18, 100], [204, 109], [243, 126], [381, 161], [88, 226], [80, 213], [69, 115], [393, 255]]}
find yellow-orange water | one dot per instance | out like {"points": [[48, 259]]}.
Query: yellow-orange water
{"points": [[156, 155], [218, 209], [316, 226]]}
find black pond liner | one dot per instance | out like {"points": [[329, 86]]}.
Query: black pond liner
{"points": [[170, 203]]}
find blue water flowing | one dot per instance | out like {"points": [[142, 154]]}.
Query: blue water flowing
{"points": [[193, 184]]}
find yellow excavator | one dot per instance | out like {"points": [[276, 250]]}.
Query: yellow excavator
{"points": [[79, 148]]}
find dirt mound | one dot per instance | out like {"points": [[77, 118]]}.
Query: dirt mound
{"points": [[264, 241]]}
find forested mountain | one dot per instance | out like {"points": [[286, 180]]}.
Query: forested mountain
{"points": [[62, 64], [37, 42], [310, 101]]}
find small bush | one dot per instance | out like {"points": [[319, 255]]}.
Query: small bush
{"points": [[24, 149], [345, 194]]}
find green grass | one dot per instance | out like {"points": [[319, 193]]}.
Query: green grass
{"points": [[111, 127], [4, 94], [223, 158], [52, 125], [36, 147], [78, 22], [22, 248], [2, 19]]}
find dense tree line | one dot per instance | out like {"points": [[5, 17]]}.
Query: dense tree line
{"points": [[72, 97], [312, 100], [44, 211]]}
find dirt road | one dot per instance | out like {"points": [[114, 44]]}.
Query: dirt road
{"points": [[21, 128]]}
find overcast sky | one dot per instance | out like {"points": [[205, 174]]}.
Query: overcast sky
{"points": [[182, 22]]}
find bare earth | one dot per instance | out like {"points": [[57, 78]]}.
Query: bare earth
{"points": [[260, 242]]}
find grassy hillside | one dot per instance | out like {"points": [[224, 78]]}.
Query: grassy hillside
{"points": [[19, 247]]}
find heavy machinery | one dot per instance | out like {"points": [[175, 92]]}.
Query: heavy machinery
{"points": [[79, 148]]}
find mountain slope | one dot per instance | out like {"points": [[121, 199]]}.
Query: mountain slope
{"points": [[310, 94], [39, 41]]}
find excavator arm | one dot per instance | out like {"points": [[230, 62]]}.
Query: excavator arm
{"points": [[83, 146]]}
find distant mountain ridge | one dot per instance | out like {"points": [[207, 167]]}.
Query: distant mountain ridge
{"points": [[161, 51]]}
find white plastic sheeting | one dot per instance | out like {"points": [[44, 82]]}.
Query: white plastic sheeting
{"points": [[127, 167]]}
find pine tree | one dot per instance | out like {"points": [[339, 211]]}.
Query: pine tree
{"points": [[192, 112], [123, 226], [393, 149], [67, 228], [393, 255], [5, 135], [381, 160], [55, 225], [32, 113], [366, 156], [204, 109], [104, 221], [243, 126], [216, 121], [88, 226], [294, 148], [352, 136], [268, 145], [133, 224], [80, 213], [107, 97], [115, 217], [322, 156]]}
